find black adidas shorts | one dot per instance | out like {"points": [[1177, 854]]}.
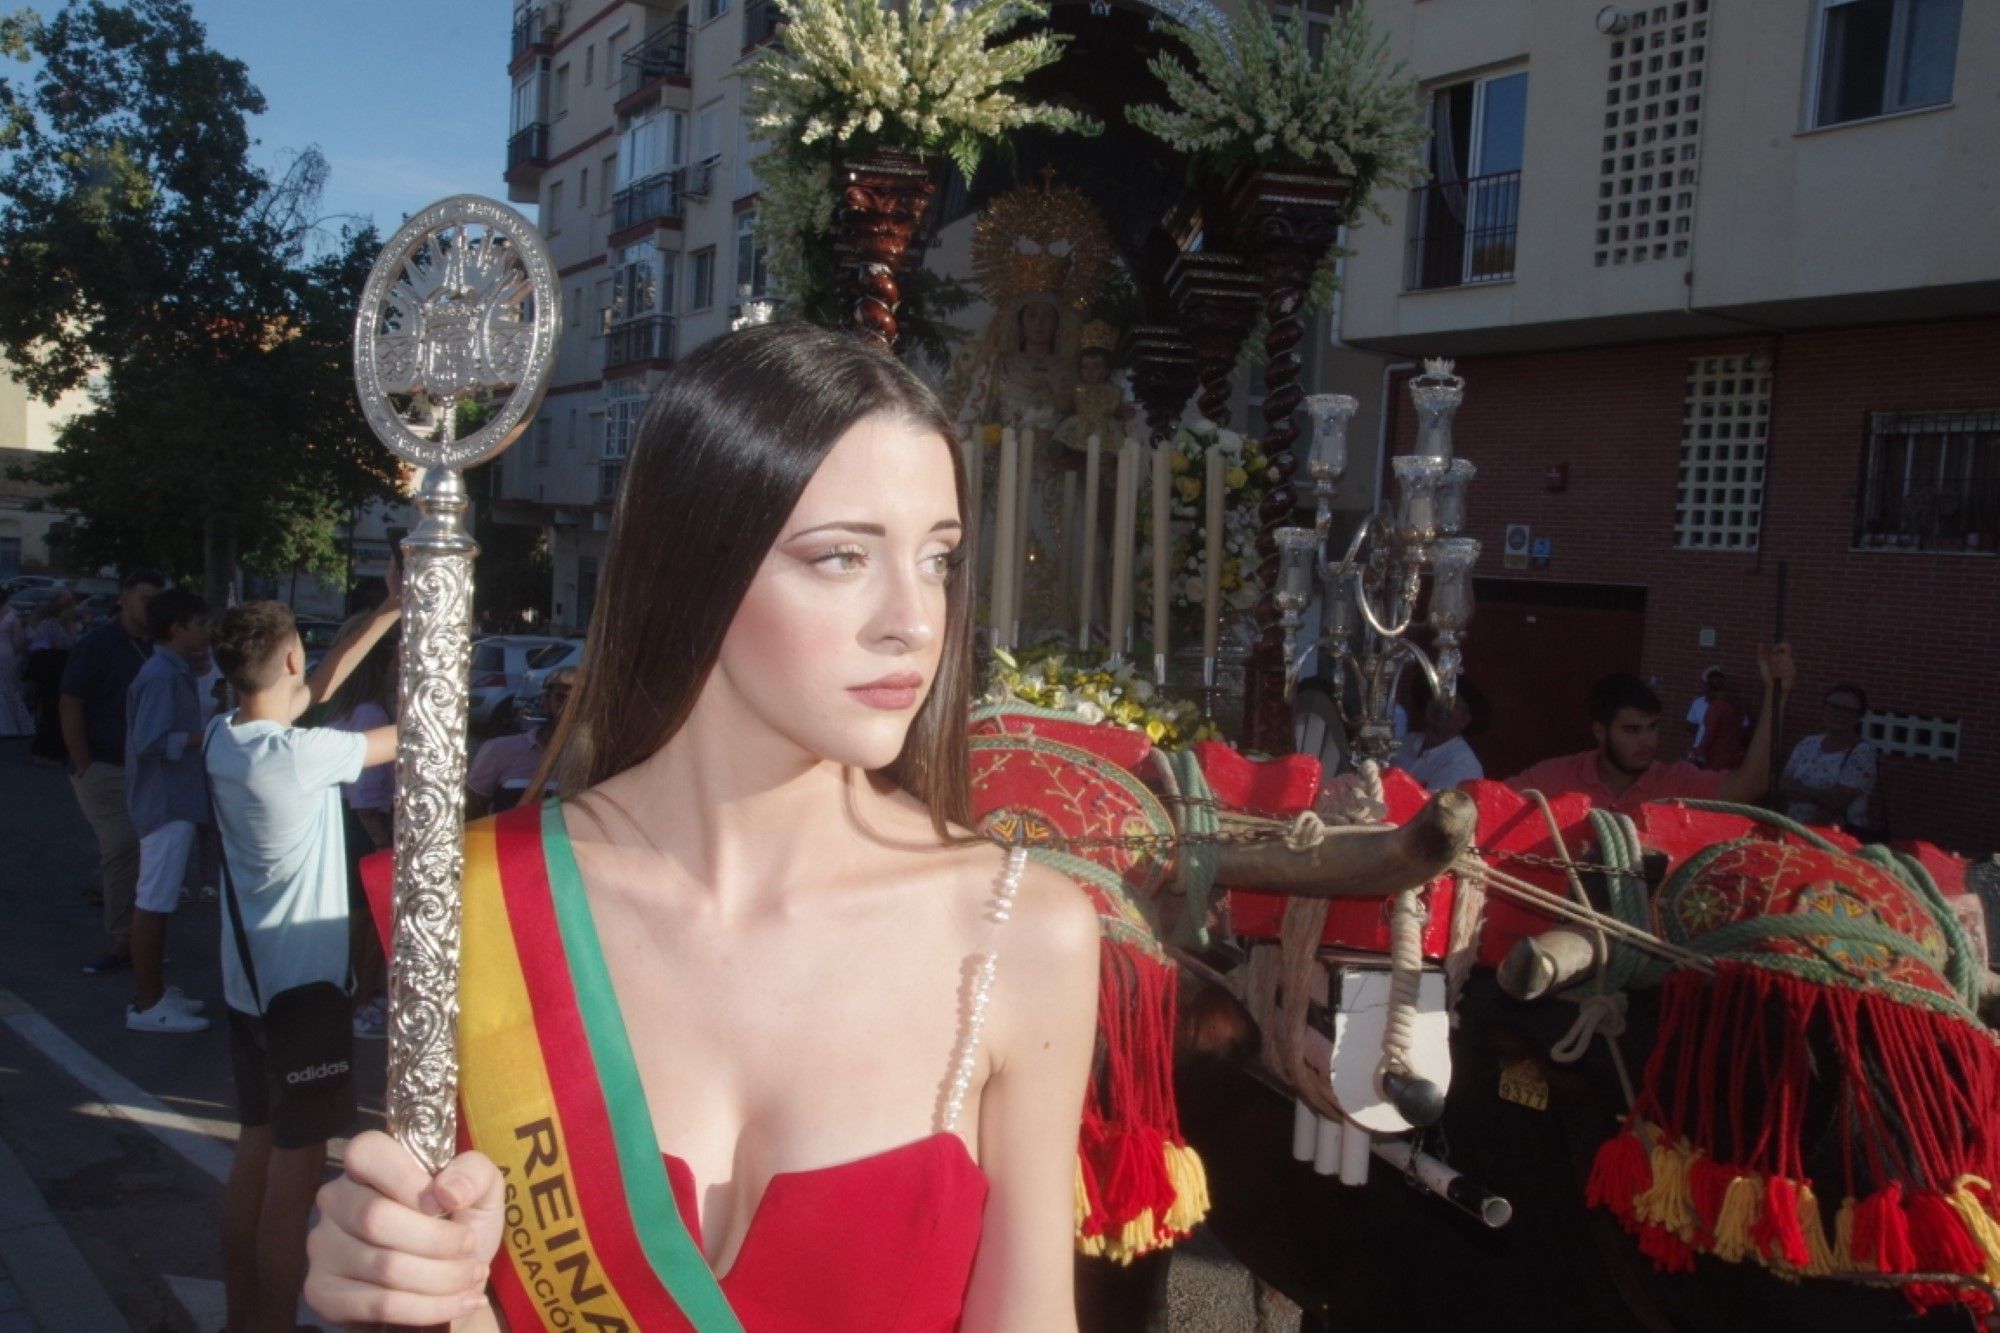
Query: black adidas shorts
{"points": [[309, 1105]]}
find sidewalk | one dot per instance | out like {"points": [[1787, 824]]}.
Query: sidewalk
{"points": [[44, 1282]]}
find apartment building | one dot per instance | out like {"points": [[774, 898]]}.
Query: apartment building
{"points": [[1723, 279], [626, 137]]}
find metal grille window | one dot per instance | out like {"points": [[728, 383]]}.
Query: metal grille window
{"points": [[1912, 736], [1931, 482], [1463, 224], [1725, 421], [1652, 134]]}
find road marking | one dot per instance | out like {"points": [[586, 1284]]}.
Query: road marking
{"points": [[120, 1096]]}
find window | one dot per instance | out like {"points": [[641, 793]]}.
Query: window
{"points": [[544, 437], [573, 298], [1462, 225], [701, 278], [569, 440], [560, 103], [548, 655], [552, 210], [635, 293], [751, 275], [713, 9], [583, 188], [604, 303], [621, 425], [708, 131], [1725, 420], [611, 54], [1317, 15], [1931, 482], [1875, 57], [586, 587], [607, 171], [589, 63], [531, 97], [1912, 736], [650, 144]]}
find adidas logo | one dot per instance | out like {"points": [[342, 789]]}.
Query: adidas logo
{"points": [[312, 1072]]}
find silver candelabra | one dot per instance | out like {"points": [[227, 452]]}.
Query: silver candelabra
{"points": [[1371, 596]]}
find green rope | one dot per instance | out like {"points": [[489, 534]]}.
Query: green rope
{"points": [[1200, 854], [1961, 969], [1619, 852]]}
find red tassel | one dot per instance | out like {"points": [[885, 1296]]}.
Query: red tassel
{"points": [[1133, 1176], [1882, 1232], [1708, 1182], [1938, 1236], [1619, 1175], [1669, 1253], [1779, 1237]]}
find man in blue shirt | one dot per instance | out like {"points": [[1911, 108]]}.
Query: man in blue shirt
{"points": [[167, 797], [91, 706]]}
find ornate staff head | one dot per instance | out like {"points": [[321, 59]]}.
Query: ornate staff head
{"points": [[460, 310]]}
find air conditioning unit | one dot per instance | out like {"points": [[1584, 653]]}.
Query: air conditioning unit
{"points": [[699, 178]]}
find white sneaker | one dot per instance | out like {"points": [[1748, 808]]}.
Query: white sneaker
{"points": [[164, 1016], [182, 1001]]}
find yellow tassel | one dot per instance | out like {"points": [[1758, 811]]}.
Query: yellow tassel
{"points": [[1666, 1203], [1739, 1214], [1135, 1238], [1814, 1226], [1082, 1198], [1190, 1180], [1985, 1231], [1843, 1236]]}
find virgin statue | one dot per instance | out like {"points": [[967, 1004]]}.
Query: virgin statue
{"points": [[1040, 255]]}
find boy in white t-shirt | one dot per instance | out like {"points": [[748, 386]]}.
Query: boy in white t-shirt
{"points": [[277, 804]]}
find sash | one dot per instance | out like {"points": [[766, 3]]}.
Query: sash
{"points": [[549, 1090]]}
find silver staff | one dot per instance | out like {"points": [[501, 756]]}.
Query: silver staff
{"points": [[460, 310]]}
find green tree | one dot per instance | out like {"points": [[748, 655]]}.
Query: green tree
{"points": [[144, 254]]}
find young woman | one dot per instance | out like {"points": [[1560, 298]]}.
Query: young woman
{"points": [[799, 1052], [1830, 778]]}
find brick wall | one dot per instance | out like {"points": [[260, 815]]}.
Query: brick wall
{"points": [[1920, 632]]}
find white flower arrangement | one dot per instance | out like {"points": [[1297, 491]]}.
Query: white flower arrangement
{"points": [[1257, 97], [1096, 692], [853, 77], [1246, 483]]}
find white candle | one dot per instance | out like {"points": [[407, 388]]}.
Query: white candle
{"points": [[1087, 594], [1162, 539], [1123, 537], [1006, 491], [1066, 562], [1211, 632], [975, 476], [1022, 531]]}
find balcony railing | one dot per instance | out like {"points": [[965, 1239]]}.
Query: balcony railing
{"points": [[610, 471], [655, 196], [1462, 232], [762, 22], [534, 25], [648, 339], [663, 53], [529, 147]]}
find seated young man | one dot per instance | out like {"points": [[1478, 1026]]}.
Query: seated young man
{"points": [[278, 806], [1623, 772]]}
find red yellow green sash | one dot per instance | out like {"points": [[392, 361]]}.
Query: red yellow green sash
{"points": [[549, 1090]]}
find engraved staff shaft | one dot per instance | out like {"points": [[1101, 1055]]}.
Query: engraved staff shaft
{"points": [[430, 820], [461, 308]]}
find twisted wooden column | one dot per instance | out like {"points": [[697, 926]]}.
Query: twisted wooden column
{"points": [[1288, 221], [882, 228], [1216, 295]]}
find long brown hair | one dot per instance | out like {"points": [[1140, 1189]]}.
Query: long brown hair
{"points": [[724, 450]]}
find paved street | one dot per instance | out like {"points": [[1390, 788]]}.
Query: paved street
{"points": [[121, 1139]]}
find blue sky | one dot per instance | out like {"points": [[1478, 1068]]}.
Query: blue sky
{"points": [[407, 99]]}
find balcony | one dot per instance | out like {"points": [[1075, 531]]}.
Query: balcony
{"points": [[646, 200], [529, 147], [1462, 232], [534, 25], [762, 22], [610, 471], [648, 339], [662, 54]]}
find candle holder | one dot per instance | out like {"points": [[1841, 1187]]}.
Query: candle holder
{"points": [[1371, 594]]}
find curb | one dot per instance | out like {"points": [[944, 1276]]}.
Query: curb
{"points": [[43, 1276]]}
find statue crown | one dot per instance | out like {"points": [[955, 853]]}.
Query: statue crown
{"points": [[1098, 335]]}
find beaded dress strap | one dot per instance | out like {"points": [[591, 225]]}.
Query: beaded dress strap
{"points": [[967, 1059]]}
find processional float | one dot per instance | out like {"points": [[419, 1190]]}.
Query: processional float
{"points": [[460, 311]]}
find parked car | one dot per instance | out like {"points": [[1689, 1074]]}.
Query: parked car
{"points": [[23, 582], [528, 700], [317, 636], [27, 603], [499, 664]]}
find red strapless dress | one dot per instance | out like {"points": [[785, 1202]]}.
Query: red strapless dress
{"points": [[882, 1244]]}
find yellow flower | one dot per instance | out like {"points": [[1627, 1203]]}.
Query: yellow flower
{"points": [[1156, 730], [1177, 462], [1236, 477], [989, 434], [1189, 487]]}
